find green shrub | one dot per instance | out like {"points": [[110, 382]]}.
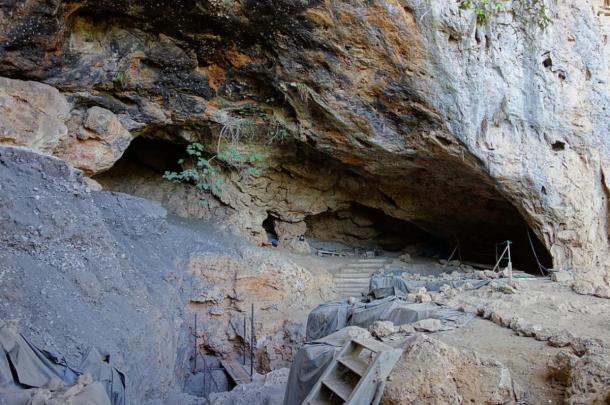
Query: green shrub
{"points": [[527, 11], [203, 169]]}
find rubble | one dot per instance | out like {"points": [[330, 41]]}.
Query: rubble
{"points": [[406, 258], [562, 277], [267, 389], [382, 329]]}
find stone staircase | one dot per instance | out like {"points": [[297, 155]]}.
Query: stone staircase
{"points": [[353, 279]]}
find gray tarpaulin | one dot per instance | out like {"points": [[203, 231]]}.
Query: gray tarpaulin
{"points": [[327, 318], [23, 367], [330, 317], [310, 362], [392, 309], [403, 286]]}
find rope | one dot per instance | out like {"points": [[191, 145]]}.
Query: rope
{"points": [[540, 266]]}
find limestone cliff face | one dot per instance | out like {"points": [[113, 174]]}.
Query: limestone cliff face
{"points": [[409, 108]]}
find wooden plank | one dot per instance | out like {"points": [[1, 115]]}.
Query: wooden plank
{"points": [[372, 344], [358, 366], [339, 387], [236, 372]]}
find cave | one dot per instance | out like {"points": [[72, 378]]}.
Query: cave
{"points": [[269, 228], [365, 227], [444, 208], [481, 243], [147, 154]]}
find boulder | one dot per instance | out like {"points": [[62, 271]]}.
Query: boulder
{"points": [[32, 114], [562, 277], [382, 329], [97, 139], [430, 371]]}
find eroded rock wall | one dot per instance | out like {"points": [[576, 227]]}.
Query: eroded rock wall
{"points": [[408, 107]]}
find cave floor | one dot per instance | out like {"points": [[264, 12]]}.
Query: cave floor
{"points": [[526, 357], [536, 300]]}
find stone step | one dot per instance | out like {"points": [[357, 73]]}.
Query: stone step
{"points": [[356, 271], [353, 293], [353, 285], [356, 294], [354, 275], [358, 286], [343, 277], [371, 261], [367, 263]]}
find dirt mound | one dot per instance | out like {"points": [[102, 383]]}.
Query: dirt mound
{"points": [[432, 372]]}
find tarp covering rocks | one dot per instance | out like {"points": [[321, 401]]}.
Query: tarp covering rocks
{"points": [[28, 373], [330, 317]]}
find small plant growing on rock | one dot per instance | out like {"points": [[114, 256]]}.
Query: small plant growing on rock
{"points": [[203, 169], [527, 11]]}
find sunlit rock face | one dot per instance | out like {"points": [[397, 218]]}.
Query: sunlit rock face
{"points": [[409, 108]]}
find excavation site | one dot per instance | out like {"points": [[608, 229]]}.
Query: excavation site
{"points": [[286, 202]]}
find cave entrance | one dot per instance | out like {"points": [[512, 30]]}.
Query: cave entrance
{"points": [[269, 227], [363, 227], [143, 158], [481, 242]]}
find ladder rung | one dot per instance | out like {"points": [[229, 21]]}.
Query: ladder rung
{"points": [[339, 387], [356, 365], [372, 345]]}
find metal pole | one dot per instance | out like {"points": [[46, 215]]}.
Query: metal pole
{"points": [[205, 371], [510, 263], [451, 257], [244, 340], [195, 352], [501, 256], [252, 344]]}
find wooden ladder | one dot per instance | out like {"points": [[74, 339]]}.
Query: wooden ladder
{"points": [[356, 374]]}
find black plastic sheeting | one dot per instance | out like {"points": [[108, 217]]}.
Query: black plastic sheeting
{"points": [[336, 315], [330, 326], [24, 366]]}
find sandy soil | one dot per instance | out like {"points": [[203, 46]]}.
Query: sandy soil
{"points": [[551, 305], [525, 357]]}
